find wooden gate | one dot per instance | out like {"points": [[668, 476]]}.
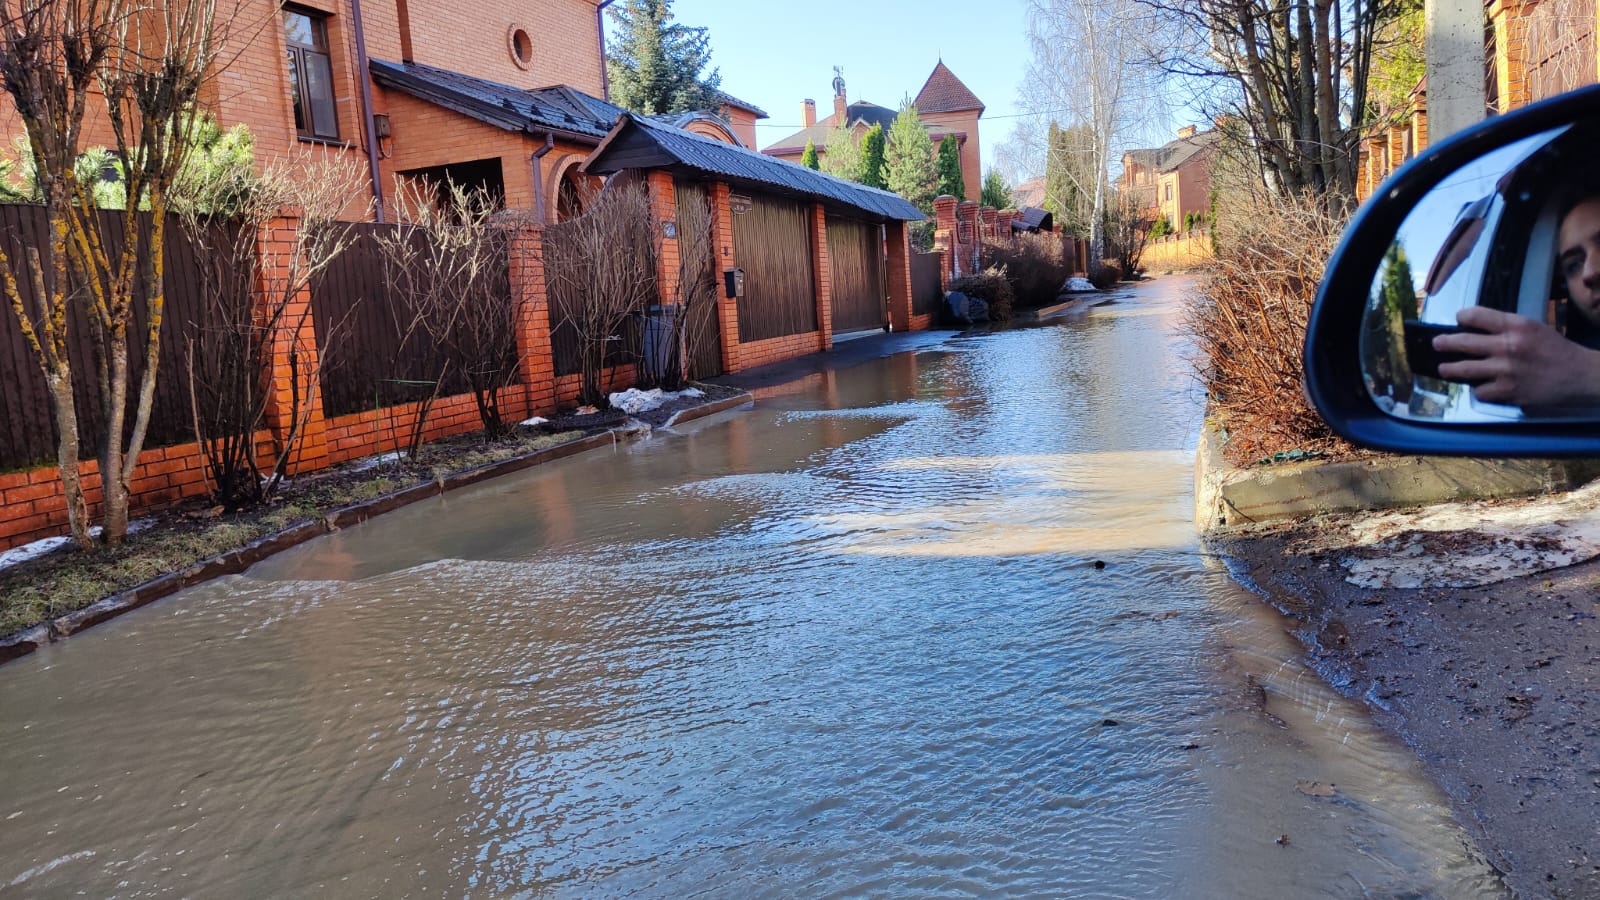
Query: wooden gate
{"points": [[855, 257], [772, 241], [702, 332], [926, 291]]}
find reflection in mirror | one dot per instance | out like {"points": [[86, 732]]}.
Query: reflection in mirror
{"points": [[1500, 263]]}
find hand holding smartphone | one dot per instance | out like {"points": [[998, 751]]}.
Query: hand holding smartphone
{"points": [[1423, 359]]}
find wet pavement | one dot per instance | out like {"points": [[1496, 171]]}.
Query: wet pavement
{"points": [[934, 623]]}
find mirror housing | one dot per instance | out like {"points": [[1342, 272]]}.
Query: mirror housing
{"points": [[1333, 367]]}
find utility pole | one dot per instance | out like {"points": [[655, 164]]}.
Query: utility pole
{"points": [[1454, 35]]}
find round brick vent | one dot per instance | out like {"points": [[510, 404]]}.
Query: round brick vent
{"points": [[520, 43]]}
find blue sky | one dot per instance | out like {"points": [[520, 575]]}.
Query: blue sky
{"points": [[776, 54]]}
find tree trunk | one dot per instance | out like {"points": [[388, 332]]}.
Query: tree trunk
{"points": [[113, 476], [66, 410]]}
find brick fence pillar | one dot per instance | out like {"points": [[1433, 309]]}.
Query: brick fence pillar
{"points": [[727, 256], [537, 368], [822, 276], [294, 393], [944, 217], [898, 238], [968, 238], [991, 220]]}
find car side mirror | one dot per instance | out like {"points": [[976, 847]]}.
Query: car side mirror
{"points": [[1492, 227]]}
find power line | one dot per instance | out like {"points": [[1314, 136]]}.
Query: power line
{"points": [[1051, 112]]}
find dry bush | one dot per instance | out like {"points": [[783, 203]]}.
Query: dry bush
{"points": [[1249, 322], [246, 321], [447, 263], [1035, 264], [601, 271], [1106, 275]]}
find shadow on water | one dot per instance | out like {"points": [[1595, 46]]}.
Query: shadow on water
{"points": [[933, 624]]}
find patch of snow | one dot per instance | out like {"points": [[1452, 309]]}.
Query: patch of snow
{"points": [[46, 546], [634, 401], [533, 422], [372, 462], [1077, 285], [1468, 544]]}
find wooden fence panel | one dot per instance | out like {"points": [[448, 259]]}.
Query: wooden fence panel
{"points": [[1561, 48], [622, 348], [27, 430], [772, 240], [857, 266], [926, 291], [372, 355]]}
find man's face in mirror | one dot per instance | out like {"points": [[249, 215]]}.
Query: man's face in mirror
{"points": [[1580, 257]]}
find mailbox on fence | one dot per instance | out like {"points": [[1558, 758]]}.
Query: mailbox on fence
{"points": [[733, 281]]}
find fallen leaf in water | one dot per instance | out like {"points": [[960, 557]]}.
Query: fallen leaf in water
{"points": [[1315, 788], [586, 411], [1282, 841]]}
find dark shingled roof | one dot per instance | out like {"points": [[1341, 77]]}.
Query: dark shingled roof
{"points": [[944, 92], [731, 100], [1173, 154], [637, 143], [559, 108], [869, 114]]}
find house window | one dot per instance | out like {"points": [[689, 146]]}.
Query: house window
{"points": [[310, 75], [1169, 190]]}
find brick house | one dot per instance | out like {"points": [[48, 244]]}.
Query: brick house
{"points": [[1174, 179], [510, 98], [946, 106]]}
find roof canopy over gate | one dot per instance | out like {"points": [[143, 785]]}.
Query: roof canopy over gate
{"points": [[636, 143]]}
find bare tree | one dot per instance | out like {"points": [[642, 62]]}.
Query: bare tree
{"points": [[142, 66], [696, 298], [1127, 230], [447, 260], [1091, 67], [245, 320], [601, 270], [1296, 73]]}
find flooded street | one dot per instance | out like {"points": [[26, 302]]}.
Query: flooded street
{"points": [[855, 640]]}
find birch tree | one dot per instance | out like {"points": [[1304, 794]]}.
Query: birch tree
{"points": [[1091, 67], [141, 67]]}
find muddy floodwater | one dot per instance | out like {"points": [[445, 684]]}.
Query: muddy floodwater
{"points": [[856, 640]]}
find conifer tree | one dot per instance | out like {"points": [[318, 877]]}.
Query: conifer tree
{"points": [[872, 146], [949, 167], [908, 159], [996, 193], [809, 157], [654, 64]]}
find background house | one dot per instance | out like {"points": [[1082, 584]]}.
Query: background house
{"points": [[1174, 179], [945, 105]]}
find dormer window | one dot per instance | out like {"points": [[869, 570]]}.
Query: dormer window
{"points": [[310, 75]]}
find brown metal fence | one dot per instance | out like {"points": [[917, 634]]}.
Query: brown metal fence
{"points": [[565, 306], [926, 292], [27, 432], [855, 260], [1560, 47], [372, 355], [702, 334], [773, 242]]}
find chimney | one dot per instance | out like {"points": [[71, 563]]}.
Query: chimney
{"points": [[808, 113], [1186, 131]]}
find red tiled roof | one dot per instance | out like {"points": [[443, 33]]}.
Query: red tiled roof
{"points": [[944, 92]]}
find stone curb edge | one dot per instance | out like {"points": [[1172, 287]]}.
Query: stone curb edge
{"points": [[22, 643], [708, 409]]}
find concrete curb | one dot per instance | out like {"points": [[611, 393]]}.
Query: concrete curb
{"points": [[1227, 496], [709, 409], [233, 562]]}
